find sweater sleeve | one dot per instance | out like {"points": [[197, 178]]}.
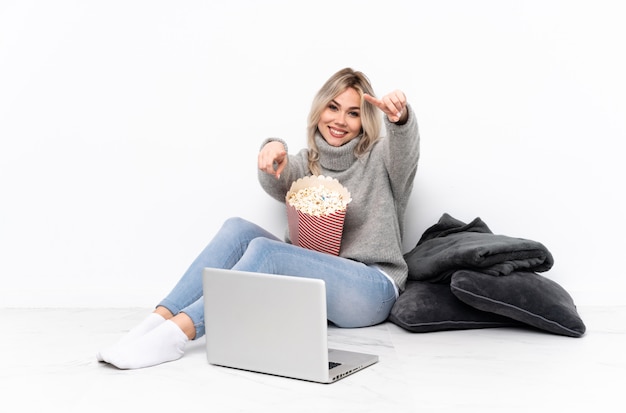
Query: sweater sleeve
{"points": [[402, 151]]}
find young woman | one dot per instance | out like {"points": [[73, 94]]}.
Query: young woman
{"points": [[363, 282]]}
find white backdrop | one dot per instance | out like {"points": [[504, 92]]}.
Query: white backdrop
{"points": [[129, 129]]}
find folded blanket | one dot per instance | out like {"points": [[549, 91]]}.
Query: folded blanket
{"points": [[451, 245]]}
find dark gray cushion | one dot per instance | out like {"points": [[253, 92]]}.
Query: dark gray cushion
{"points": [[523, 296], [426, 307], [452, 245]]}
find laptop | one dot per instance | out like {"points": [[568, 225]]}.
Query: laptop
{"points": [[273, 324]]}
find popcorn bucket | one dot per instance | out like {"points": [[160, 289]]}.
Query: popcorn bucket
{"points": [[316, 211]]}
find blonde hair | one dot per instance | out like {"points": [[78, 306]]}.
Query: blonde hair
{"points": [[370, 117]]}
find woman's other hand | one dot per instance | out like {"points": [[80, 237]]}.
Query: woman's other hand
{"points": [[273, 158]]}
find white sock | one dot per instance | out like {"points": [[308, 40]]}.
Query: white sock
{"points": [[162, 344], [139, 330]]}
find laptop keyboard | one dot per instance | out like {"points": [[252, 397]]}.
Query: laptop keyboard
{"points": [[332, 364]]}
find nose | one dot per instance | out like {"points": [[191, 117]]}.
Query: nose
{"points": [[340, 119]]}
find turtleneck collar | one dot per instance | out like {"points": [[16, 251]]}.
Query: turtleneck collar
{"points": [[336, 158]]}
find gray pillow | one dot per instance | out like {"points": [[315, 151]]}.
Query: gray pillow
{"points": [[452, 245], [523, 296], [426, 307]]}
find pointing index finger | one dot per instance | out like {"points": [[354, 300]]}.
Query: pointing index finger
{"points": [[390, 109], [371, 99]]}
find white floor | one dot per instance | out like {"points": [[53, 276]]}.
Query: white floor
{"points": [[47, 363]]}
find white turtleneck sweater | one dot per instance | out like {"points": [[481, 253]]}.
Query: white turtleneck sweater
{"points": [[380, 184]]}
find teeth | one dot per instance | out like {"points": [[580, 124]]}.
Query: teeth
{"points": [[337, 132]]}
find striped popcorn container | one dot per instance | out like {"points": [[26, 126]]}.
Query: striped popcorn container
{"points": [[316, 211]]}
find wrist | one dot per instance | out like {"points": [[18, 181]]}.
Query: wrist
{"points": [[268, 140], [404, 116]]}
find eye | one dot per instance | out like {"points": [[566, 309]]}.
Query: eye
{"points": [[333, 107], [354, 114]]}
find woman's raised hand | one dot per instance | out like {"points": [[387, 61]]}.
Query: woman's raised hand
{"points": [[392, 104]]}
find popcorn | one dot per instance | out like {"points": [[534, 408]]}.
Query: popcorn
{"points": [[316, 210], [317, 200]]}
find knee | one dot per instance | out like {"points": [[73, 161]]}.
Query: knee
{"points": [[258, 257], [259, 245], [239, 226], [234, 222]]}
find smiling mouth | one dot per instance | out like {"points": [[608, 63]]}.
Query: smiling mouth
{"points": [[337, 133]]}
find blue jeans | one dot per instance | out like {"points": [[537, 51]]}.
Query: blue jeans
{"points": [[357, 295]]}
